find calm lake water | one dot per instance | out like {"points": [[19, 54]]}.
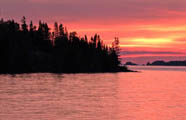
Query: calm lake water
{"points": [[155, 93]]}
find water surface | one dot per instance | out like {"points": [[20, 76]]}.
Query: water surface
{"points": [[155, 93]]}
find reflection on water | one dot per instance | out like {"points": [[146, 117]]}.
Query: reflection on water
{"points": [[146, 95], [159, 68]]}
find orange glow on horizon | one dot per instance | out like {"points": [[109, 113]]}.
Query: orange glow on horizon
{"points": [[138, 36]]}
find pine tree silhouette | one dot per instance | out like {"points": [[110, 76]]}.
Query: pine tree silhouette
{"points": [[30, 49]]}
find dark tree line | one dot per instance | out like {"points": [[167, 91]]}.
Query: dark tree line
{"points": [[25, 48]]}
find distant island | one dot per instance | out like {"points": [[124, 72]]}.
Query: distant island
{"points": [[170, 63], [130, 63], [29, 49]]}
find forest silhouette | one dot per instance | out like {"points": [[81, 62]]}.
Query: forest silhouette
{"points": [[29, 49]]}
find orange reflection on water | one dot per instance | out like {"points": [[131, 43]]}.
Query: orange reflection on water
{"points": [[153, 95]]}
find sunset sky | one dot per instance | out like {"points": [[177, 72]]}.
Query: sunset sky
{"points": [[148, 29]]}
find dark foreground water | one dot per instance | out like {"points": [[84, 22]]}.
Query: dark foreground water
{"points": [[155, 93]]}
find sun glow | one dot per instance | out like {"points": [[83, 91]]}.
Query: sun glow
{"points": [[146, 42], [152, 41]]}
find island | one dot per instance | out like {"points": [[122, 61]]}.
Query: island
{"points": [[29, 48], [170, 63]]}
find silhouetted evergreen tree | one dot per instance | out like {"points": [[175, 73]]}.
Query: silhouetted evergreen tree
{"points": [[56, 30], [28, 49], [61, 30], [24, 25]]}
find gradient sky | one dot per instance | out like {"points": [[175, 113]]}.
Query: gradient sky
{"points": [[148, 29]]}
